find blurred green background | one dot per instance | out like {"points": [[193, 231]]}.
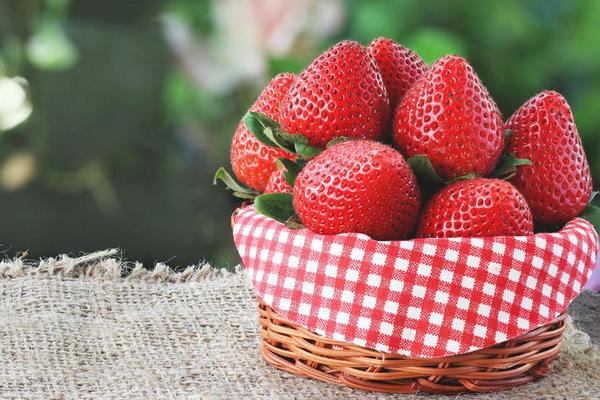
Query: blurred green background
{"points": [[115, 114]]}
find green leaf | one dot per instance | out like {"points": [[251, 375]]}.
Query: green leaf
{"points": [[337, 140], [592, 214], [507, 166], [592, 197], [292, 170], [428, 178], [279, 206], [423, 169], [294, 223], [264, 120], [269, 132], [470, 175], [238, 190], [257, 123], [306, 151], [245, 195], [293, 137], [275, 137]]}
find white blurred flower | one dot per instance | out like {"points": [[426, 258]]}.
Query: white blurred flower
{"points": [[246, 33], [14, 104]]}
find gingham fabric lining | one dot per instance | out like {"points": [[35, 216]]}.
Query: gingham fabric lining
{"points": [[422, 298]]}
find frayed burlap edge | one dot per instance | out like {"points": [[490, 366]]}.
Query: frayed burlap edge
{"points": [[107, 265]]}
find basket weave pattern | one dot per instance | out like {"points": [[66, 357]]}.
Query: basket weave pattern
{"points": [[294, 349]]}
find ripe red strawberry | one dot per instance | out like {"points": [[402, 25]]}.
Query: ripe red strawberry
{"points": [[341, 93], [557, 184], [358, 186], [449, 116], [277, 183], [399, 66], [252, 161], [476, 208]]}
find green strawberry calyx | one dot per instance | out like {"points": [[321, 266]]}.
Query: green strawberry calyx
{"points": [[507, 166], [340, 139], [239, 190], [279, 206], [269, 132], [427, 175], [290, 169], [424, 170]]}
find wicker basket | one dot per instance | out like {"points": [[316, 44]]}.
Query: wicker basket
{"points": [[503, 366]]}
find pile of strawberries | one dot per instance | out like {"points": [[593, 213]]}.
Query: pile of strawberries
{"points": [[374, 141]]}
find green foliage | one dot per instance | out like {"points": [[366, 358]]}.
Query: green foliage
{"points": [[292, 64], [371, 19], [431, 44], [198, 14], [49, 47]]}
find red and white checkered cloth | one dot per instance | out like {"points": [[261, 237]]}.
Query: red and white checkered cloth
{"points": [[421, 298]]}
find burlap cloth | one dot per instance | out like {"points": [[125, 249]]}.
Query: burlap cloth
{"points": [[96, 327]]}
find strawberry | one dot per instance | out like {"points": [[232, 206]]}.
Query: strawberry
{"points": [[476, 208], [277, 183], [449, 116], [399, 66], [252, 161], [341, 93], [358, 186], [557, 184]]}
